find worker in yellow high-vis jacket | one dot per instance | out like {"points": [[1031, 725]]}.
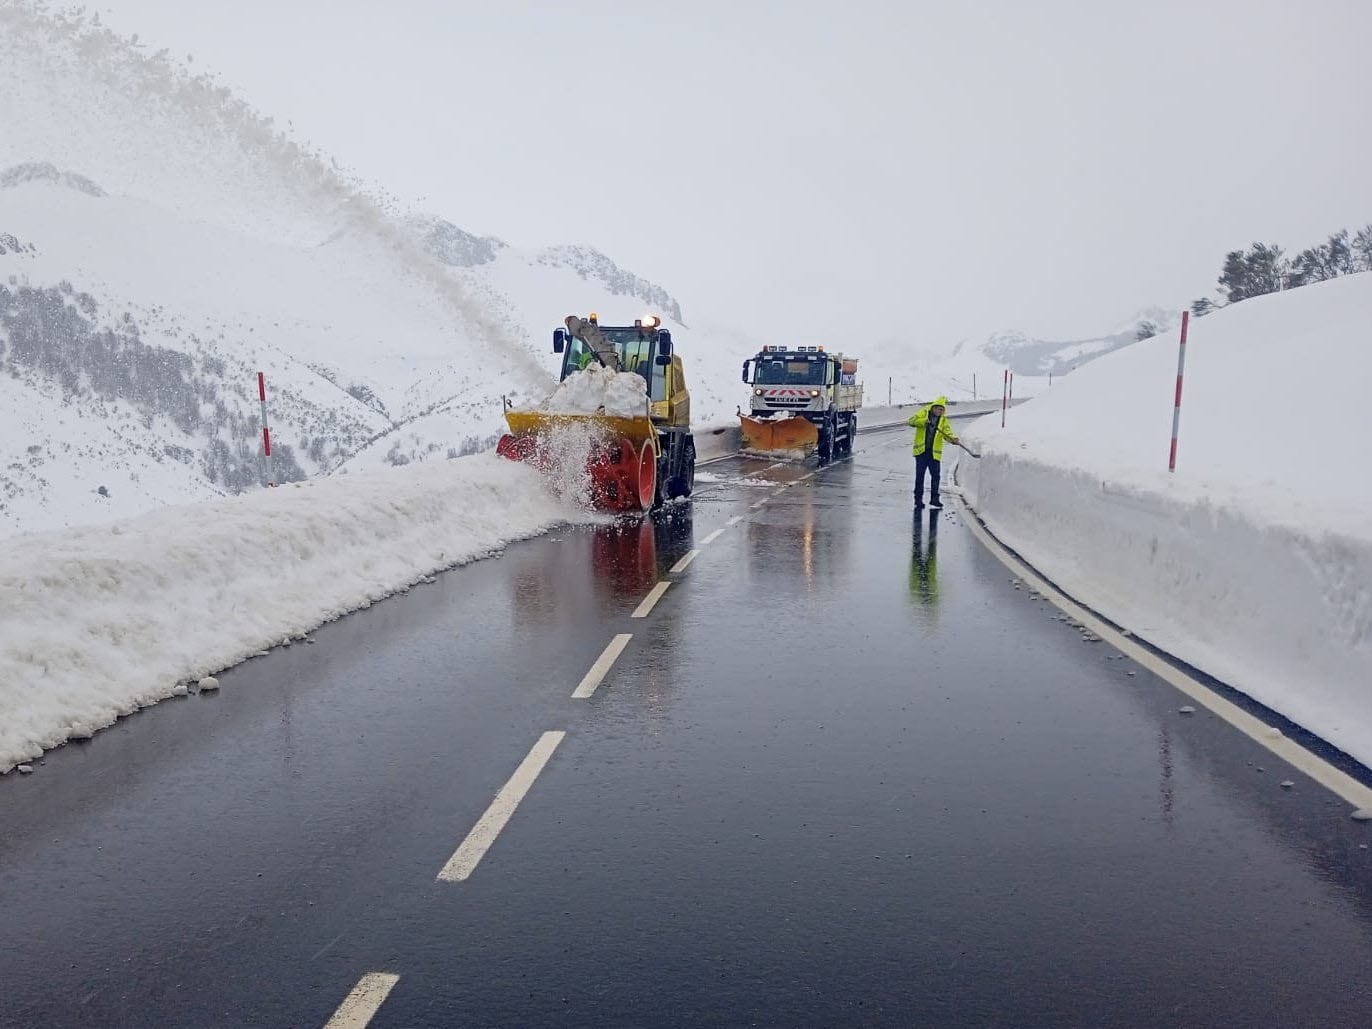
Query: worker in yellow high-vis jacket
{"points": [[931, 430]]}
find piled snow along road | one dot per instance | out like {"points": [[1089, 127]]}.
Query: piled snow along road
{"points": [[1253, 561], [98, 622], [596, 389]]}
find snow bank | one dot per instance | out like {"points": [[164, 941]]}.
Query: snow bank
{"points": [[1254, 561], [98, 622], [623, 394]]}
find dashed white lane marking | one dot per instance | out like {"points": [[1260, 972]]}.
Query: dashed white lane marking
{"points": [[602, 666], [361, 1005], [760, 503], [735, 519], [645, 608], [469, 854], [712, 537], [1339, 783], [685, 562]]}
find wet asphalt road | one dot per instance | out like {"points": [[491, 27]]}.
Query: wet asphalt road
{"points": [[843, 774]]}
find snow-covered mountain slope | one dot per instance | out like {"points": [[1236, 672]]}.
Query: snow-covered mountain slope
{"points": [[1025, 355], [161, 242], [152, 221], [971, 370]]}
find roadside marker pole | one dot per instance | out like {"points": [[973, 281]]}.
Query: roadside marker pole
{"points": [[1012, 386], [1004, 395], [974, 385], [266, 432], [1176, 404]]}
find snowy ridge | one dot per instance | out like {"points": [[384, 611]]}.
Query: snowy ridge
{"points": [[181, 218], [98, 622], [1026, 356], [1253, 561]]}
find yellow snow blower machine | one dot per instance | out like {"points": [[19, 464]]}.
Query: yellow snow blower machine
{"points": [[637, 455]]}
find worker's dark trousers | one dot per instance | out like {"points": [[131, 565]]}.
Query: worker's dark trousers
{"points": [[925, 463]]}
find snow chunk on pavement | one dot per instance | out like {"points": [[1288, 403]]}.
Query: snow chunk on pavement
{"points": [[596, 389], [96, 622]]}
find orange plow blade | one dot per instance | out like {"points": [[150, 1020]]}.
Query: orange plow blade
{"points": [[778, 434]]}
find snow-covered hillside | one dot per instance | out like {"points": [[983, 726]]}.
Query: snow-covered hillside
{"points": [[154, 222], [161, 242], [974, 369], [1253, 561]]}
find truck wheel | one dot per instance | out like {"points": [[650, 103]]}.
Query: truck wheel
{"points": [[662, 489], [826, 441], [686, 482]]}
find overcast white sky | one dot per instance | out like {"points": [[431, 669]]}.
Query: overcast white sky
{"points": [[937, 169]]}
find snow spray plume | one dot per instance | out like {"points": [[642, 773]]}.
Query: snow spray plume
{"points": [[48, 56]]}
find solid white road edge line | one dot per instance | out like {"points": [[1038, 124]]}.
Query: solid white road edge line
{"points": [[712, 537], [685, 562], [645, 608], [469, 854], [361, 1005], [1339, 783], [602, 666]]}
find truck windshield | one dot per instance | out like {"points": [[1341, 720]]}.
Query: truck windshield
{"points": [[791, 370]]}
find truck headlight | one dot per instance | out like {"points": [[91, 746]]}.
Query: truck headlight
{"points": [[814, 392], [757, 392]]}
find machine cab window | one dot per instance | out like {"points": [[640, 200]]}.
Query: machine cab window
{"points": [[635, 350]]}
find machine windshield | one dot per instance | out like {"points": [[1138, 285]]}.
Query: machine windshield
{"points": [[791, 370], [635, 350]]}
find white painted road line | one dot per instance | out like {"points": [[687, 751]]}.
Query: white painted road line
{"points": [[685, 562], [483, 834], [1337, 782], [712, 537], [645, 608], [758, 504], [602, 666], [360, 1006], [735, 519]]}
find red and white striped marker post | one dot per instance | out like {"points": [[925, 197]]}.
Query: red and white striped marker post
{"points": [[266, 432], [1176, 404], [1004, 395]]}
